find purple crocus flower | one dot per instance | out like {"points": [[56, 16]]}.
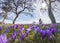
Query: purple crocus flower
{"points": [[31, 26], [11, 26], [1, 27], [15, 26], [37, 30], [21, 30], [53, 30], [43, 25], [49, 34], [21, 26], [26, 34], [22, 37], [14, 35], [43, 33], [52, 25], [7, 30], [28, 30], [3, 38]]}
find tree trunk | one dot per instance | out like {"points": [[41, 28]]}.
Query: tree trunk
{"points": [[51, 16], [4, 18], [15, 19]]}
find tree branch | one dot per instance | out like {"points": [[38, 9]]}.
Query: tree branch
{"points": [[14, 3], [52, 1], [17, 13]]}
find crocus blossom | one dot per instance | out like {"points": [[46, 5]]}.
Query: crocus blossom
{"points": [[21, 29], [15, 26], [7, 30], [49, 34], [43, 33], [1, 28], [14, 35], [31, 26], [3, 38], [53, 30], [25, 34], [37, 30]]}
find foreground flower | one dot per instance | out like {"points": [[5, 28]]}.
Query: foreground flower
{"points": [[3, 38], [53, 30], [22, 37], [21, 26], [15, 26], [43, 33], [1, 28], [49, 34], [37, 29], [14, 35], [7, 30], [21, 30], [28, 30], [31, 26]]}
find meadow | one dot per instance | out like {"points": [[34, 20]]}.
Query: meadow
{"points": [[29, 33]]}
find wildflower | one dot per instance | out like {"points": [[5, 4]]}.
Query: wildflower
{"points": [[28, 30], [0, 28], [3, 38], [15, 26], [44, 25], [25, 35], [7, 30], [21, 26], [49, 34], [37, 29], [43, 33], [14, 35], [53, 30], [31, 26], [21, 29], [22, 37]]}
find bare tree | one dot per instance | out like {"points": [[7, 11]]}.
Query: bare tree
{"points": [[3, 15], [17, 7], [51, 13], [50, 9]]}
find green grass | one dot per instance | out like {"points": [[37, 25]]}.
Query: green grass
{"points": [[31, 37]]}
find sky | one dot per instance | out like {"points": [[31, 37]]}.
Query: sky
{"points": [[24, 18]]}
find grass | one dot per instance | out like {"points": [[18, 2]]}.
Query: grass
{"points": [[30, 38]]}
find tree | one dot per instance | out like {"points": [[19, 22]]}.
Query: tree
{"points": [[16, 6], [51, 13], [51, 9]]}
